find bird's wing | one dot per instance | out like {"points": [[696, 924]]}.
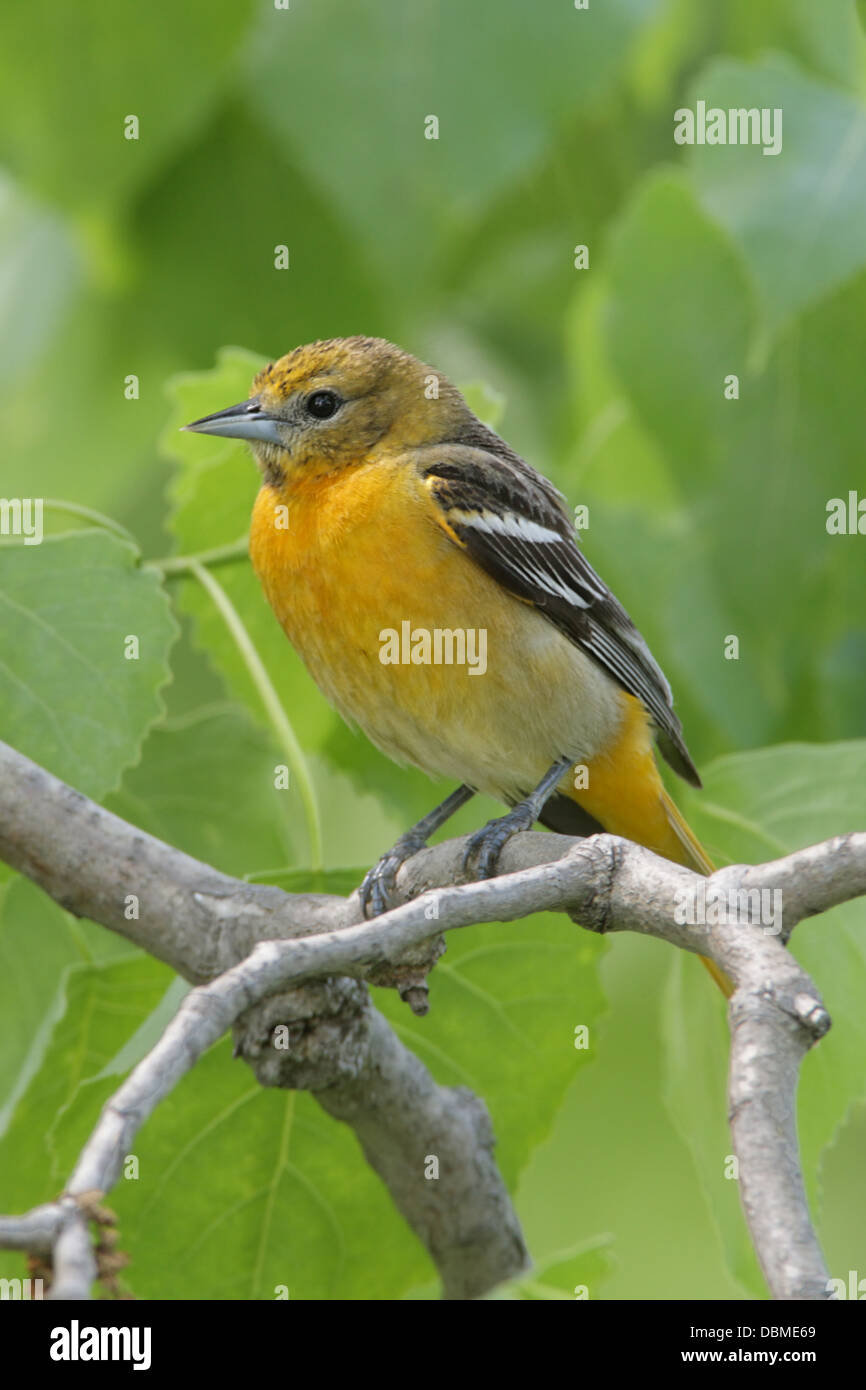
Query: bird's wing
{"points": [[512, 522]]}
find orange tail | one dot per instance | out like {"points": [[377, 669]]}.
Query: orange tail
{"points": [[626, 795], [694, 857]]}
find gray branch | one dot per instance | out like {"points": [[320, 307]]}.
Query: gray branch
{"points": [[35, 1231], [268, 957], [204, 924], [75, 1266]]}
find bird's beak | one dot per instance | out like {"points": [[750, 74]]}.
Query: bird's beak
{"points": [[245, 421]]}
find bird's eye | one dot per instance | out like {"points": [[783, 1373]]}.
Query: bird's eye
{"points": [[323, 404]]}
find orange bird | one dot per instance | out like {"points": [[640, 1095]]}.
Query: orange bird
{"points": [[431, 581]]}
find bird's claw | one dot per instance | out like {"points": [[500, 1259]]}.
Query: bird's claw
{"points": [[481, 856], [375, 887], [480, 859], [381, 881]]}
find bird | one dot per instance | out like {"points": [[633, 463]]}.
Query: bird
{"points": [[432, 582]]}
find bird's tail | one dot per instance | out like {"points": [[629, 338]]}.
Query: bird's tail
{"points": [[693, 856], [692, 852]]}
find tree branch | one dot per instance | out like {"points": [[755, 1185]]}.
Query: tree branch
{"points": [[204, 924]]}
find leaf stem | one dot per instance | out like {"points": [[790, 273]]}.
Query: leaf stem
{"points": [[269, 698], [59, 504], [217, 555]]}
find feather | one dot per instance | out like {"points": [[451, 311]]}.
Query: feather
{"points": [[513, 523]]}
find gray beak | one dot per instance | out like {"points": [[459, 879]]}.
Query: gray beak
{"points": [[244, 421]]}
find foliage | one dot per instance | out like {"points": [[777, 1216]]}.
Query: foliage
{"points": [[261, 127]]}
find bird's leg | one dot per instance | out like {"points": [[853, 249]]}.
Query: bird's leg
{"points": [[380, 880], [486, 844]]}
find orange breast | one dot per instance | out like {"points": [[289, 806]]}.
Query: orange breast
{"points": [[359, 554], [332, 562]]}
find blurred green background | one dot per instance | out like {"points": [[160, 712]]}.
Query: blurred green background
{"points": [[305, 127]]}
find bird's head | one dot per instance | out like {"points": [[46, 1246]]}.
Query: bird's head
{"points": [[327, 405]]}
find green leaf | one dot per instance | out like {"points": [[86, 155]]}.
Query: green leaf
{"points": [[683, 611], [63, 114], [828, 39], [754, 473], [338, 881], [244, 1190], [613, 456], [799, 216], [404, 191], [101, 1008], [192, 395], [69, 696], [672, 347], [206, 785], [39, 944], [236, 293], [85, 440], [671, 340], [843, 1215], [505, 1002]]}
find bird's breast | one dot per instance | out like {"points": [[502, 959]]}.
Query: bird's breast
{"points": [[413, 641]]}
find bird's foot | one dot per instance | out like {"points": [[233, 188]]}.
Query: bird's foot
{"points": [[482, 853], [380, 882]]}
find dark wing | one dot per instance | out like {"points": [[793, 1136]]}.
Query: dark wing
{"points": [[513, 523]]}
